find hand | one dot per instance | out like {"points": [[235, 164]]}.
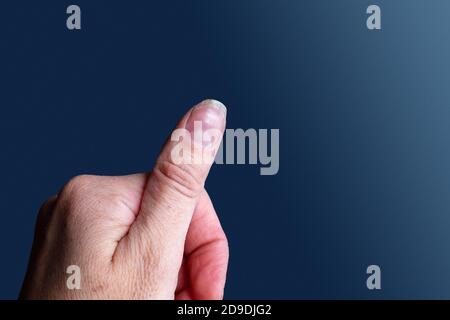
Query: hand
{"points": [[143, 236]]}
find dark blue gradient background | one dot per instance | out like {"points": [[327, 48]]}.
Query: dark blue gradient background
{"points": [[363, 116]]}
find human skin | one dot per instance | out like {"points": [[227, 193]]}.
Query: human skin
{"points": [[152, 235]]}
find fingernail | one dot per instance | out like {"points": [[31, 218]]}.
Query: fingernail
{"points": [[208, 115]]}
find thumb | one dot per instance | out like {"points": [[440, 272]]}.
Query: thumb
{"points": [[174, 187]]}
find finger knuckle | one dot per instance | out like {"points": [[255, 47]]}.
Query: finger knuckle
{"points": [[75, 195], [77, 186], [181, 178]]}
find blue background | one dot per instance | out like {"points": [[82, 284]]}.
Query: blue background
{"points": [[363, 116]]}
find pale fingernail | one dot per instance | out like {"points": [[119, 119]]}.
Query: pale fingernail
{"points": [[207, 121]]}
